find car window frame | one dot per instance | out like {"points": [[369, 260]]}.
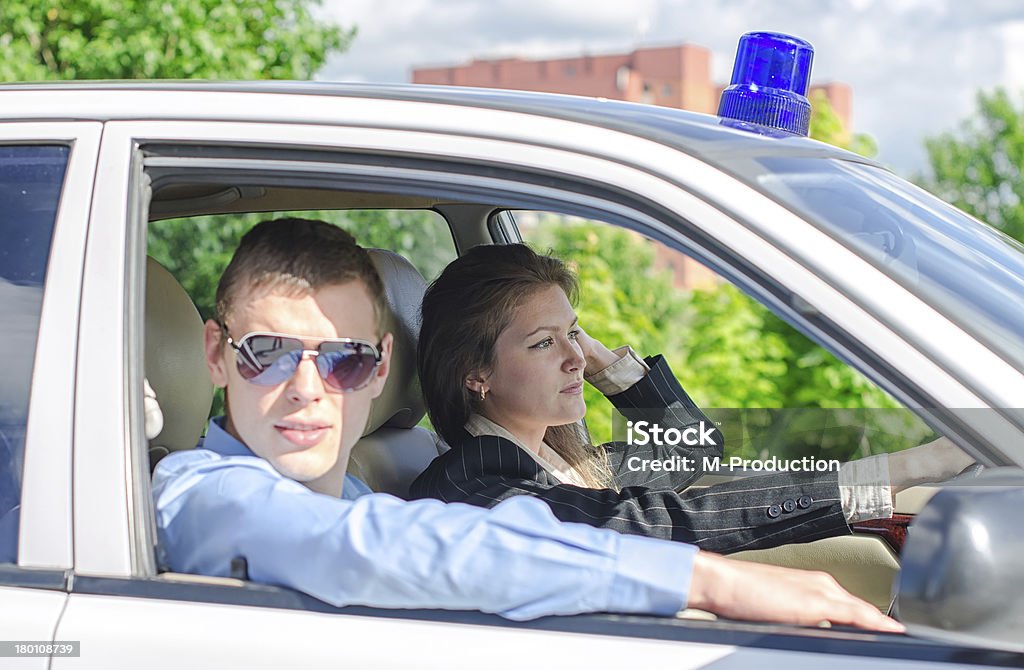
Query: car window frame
{"points": [[748, 636]]}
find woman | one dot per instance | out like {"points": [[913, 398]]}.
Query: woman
{"points": [[502, 360]]}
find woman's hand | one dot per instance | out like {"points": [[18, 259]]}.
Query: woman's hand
{"points": [[756, 592], [151, 409], [932, 462], [596, 355]]}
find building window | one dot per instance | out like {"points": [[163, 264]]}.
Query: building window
{"points": [[646, 96], [622, 78]]}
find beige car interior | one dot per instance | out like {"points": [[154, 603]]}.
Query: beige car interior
{"points": [[198, 199], [394, 449], [175, 363]]}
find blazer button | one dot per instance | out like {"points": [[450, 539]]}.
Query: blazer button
{"points": [[774, 511], [789, 506], [804, 502]]}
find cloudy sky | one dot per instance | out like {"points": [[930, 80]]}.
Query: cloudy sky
{"points": [[914, 65]]}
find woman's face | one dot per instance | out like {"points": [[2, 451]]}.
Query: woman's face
{"points": [[537, 379]]}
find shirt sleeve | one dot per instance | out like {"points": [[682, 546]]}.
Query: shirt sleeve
{"points": [[865, 489], [515, 560], [621, 374]]}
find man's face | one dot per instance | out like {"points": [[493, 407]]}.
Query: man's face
{"points": [[302, 426]]}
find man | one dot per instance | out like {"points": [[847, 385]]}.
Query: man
{"points": [[297, 344]]}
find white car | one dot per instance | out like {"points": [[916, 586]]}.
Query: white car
{"points": [[919, 297]]}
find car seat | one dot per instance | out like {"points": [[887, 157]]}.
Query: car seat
{"points": [[394, 450], [175, 363]]}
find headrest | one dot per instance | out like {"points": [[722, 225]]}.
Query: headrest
{"points": [[175, 361], [400, 405]]}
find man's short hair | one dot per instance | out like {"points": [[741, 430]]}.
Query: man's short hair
{"points": [[300, 256]]}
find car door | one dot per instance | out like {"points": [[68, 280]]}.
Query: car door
{"points": [[46, 172]]}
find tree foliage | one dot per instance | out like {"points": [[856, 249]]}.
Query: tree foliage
{"points": [[826, 126], [197, 249], [978, 167], [132, 39]]}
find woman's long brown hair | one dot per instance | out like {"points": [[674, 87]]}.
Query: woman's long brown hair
{"points": [[464, 311]]}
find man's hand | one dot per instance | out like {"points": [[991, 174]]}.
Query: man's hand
{"points": [[932, 462], [597, 356], [755, 592]]}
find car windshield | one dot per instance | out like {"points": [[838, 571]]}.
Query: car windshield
{"points": [[967, 270]]}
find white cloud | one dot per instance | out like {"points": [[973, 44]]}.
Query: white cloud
{"points": [[1013, 40], [914, 65]]}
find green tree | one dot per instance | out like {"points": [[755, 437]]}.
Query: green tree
{"points": [[131, 39], [197, 249], [978, 167], [733, 359], [826, 126]]}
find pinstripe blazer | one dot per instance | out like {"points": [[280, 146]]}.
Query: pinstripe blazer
{"points": [[749, 513]]}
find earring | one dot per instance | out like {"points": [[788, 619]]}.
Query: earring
{"points": [[483, 394]]}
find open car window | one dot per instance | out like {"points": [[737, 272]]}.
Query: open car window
{"points": [[774, 391]]}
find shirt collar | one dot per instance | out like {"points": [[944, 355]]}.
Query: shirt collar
{"points": [[478, 425], [548, 458], [219, 440]]}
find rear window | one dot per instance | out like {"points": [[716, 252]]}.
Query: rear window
{"points": [[30, 187]]}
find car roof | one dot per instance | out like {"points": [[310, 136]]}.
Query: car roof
{"points": [[702, 135]]}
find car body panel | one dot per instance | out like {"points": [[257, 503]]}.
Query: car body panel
{"points": [[30, 615], [270, 638], [101, 427]]}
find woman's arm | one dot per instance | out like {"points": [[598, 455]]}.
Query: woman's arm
{"points": [[647, 395], [750, 513]]}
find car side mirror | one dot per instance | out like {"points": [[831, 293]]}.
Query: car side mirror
{"points": [[963, 564]]}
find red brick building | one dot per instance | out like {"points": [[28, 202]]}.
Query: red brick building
{"points": [[672, 76]]}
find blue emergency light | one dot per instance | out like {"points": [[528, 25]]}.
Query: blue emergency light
{"points": [[769, 83]]}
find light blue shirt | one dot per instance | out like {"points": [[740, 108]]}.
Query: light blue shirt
{"points": [[221, 501]]}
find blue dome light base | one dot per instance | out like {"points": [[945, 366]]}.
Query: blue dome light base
{"points": [[769, 83]]}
